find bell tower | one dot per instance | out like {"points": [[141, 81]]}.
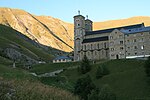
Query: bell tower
{"points": [[88, 24], [79, 32]]}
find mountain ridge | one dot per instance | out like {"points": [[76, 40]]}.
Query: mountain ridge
{"points": [[54, 32]]}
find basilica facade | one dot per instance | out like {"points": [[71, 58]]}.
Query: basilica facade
{"points": [[115, 43]]}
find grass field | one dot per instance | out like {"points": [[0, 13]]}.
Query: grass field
{"points": [[28, 87], [49, 67], [127, 79]]}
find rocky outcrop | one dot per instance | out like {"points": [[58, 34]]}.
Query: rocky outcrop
{"points": [[15, 55]]}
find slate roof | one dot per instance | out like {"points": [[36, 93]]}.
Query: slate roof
{"points": [[111, 29], [136, 30], [104, 38], [62, 57]]}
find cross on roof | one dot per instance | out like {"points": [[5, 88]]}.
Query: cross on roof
{"points": [[78, 12], [86, 16]]}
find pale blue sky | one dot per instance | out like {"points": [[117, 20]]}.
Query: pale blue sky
{"points": [[97, 10]]}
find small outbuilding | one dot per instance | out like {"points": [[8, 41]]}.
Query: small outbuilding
{"points": [[62, 59]]}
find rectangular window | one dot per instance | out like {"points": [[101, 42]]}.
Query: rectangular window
{"points": [[105, 45], [111, 37], [121, 48], [135, 47], [134, 40], [121, 42], [142, 47]]}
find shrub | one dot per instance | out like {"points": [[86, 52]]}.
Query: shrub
{"points": [[83, 87], [94, 94], [105, 93], [101, 71]]}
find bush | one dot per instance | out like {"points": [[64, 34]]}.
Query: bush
{"points": [[83, 87], [105, 93], [147, 67], [85, 65], [101, 71], [94, 94]]}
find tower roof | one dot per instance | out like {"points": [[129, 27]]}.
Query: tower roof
{"points": [[78, 16]]}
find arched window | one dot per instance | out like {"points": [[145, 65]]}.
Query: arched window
{"points": [[91, 46], [98, 46], [84, 47]]}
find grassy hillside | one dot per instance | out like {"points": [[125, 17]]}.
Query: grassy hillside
{"points": [[127, 79], [10, 38], [28, 87], [45, 68]]}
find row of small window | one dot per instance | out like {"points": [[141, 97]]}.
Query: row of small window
{"points": [[94, 46], [142, 53], [128, 54], [119, 54], [112, 49], [135, 40], [128, 41], [135, 47], [89, 53], [112, 43], [142, 34], [120, 36]]}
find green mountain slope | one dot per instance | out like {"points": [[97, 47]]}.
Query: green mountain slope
{"points": [[16, 46], [127, 78]]}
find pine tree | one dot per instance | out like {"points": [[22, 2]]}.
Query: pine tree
{"points": [[85, 65]]}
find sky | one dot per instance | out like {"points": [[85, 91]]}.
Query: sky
{"points": [[97, 10]]}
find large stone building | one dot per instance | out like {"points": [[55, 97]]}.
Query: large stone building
{"points": [[115, 43]]}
